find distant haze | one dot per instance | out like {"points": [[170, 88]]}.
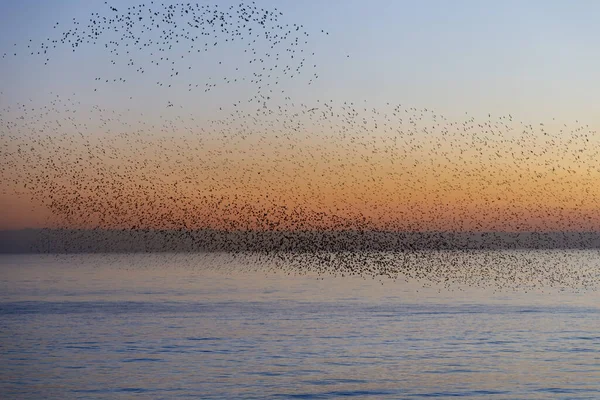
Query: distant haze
{"points": [[102, 241]]}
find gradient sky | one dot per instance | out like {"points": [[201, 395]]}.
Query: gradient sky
{"points": [[536, 60], [533, 58]]}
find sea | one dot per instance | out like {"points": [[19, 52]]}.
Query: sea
{"points": [[170, 326]]}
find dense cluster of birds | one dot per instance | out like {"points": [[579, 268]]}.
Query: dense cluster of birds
{"points": [[546, 271], [323, 186]]}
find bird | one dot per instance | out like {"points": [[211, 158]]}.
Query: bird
{"points": [[274, 49], [320, 185], [142, 184]]}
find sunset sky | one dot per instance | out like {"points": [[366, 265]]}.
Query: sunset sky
{"points": [[448, 158]]}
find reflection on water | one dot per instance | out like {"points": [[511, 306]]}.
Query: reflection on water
{"points": [[158, 327]]}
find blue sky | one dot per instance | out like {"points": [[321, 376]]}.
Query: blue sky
{"points": [[535, 59]]}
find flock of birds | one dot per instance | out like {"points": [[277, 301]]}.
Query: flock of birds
{"points": [[301, 186], [145, 36]]}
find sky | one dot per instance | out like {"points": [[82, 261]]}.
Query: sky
{"points": [[534, 60]]}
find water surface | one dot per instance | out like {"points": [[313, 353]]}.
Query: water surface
{"points": [[169, 326]]}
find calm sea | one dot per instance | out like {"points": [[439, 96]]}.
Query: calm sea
{"points": [[174, 326]]}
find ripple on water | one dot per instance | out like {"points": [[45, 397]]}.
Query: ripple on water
{"points": [[312, 344]]}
